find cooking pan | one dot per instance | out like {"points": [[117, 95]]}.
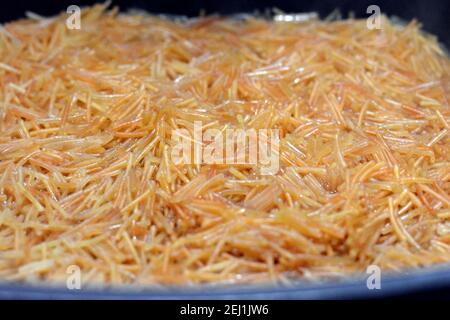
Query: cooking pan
{"points": [[428, 282]]}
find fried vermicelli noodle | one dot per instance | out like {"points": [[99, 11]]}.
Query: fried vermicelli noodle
{"points": [[86, 178]]}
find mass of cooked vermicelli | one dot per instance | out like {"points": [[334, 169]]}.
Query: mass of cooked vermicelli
{"points": [[86, 123]]}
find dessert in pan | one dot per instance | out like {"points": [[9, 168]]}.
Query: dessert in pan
{"points": [[144, 150]]}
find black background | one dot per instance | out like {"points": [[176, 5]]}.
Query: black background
{"points": [[433, 14]]}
